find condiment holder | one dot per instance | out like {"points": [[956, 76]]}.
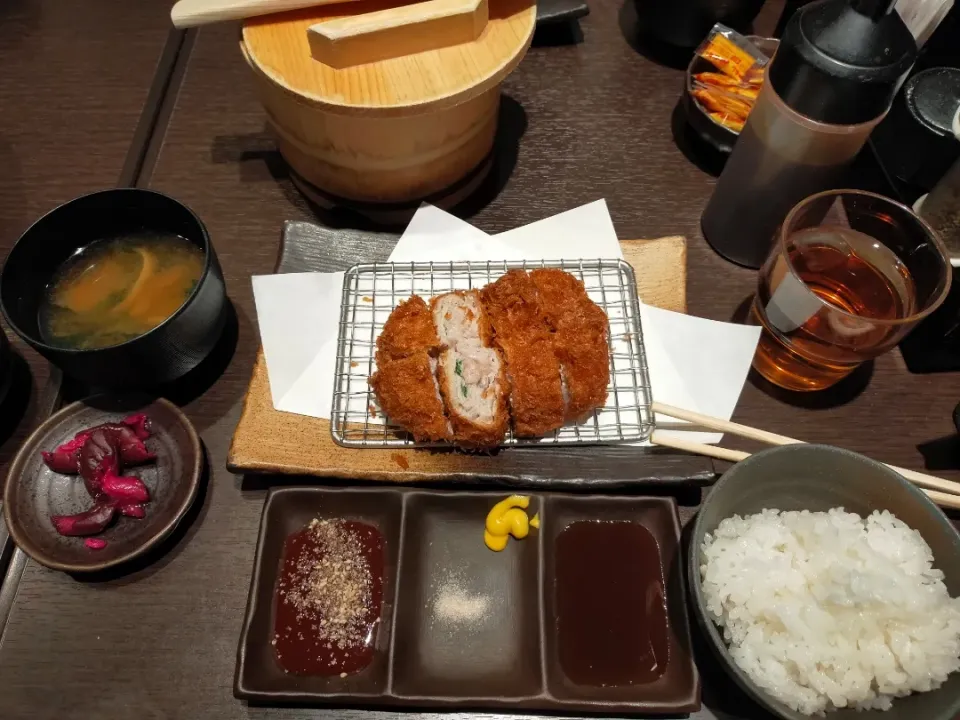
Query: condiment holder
{"points": [[373, 103], [934, 345], [464, 626], [706, 128], [915, 142]]}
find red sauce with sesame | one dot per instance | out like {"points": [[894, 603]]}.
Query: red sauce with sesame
{"points": [[329, 598], [611, 611]]}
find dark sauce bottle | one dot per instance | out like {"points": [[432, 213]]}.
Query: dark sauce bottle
{"points": [[834, 77]]}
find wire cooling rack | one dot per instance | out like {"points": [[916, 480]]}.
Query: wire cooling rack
{"points": [[372, 291]]}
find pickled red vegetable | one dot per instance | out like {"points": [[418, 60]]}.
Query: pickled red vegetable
{"points": [[97, 454], [127, 490], [91, 522], [128, 434]]}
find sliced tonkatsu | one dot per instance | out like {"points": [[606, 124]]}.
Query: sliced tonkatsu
{"points": [[533, 370], [580, 331], [406, 381], [471, 372], [408, 330], [530, 348]]}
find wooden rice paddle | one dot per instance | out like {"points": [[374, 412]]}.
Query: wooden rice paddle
{"points": [[362, 37], [394, 32], [191, 13]]}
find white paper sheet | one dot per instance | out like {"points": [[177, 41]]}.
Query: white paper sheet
{"points": [[584, 232], [299, 317], [684, 375], [299, 313], [439, 236]]}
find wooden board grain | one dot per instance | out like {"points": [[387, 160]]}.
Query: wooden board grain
{"points": [[301, 445]]}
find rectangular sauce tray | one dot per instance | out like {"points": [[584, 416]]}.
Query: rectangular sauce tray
{"points": [[433, 648]]}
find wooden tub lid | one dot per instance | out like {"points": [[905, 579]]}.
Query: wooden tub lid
{"points": [[278, 47]]}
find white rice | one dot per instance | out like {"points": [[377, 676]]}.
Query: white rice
{"points": [[826, 610]]}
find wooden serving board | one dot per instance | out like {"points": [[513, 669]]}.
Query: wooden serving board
{"points": [[269, 441]]}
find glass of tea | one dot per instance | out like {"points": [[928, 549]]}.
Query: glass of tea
{"points": [[849, 275]]}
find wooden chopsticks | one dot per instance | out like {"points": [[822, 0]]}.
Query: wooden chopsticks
{"points": [[945, 493]]}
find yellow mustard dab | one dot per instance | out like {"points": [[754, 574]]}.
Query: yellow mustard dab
{"points": [[508, 517]]}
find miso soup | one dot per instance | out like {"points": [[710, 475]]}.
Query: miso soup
{"points": [[116, 289]]}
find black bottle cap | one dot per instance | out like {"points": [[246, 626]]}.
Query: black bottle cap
{"points": [[842, 61], [932, 97]]}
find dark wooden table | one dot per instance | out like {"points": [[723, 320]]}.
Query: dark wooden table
{"points": [[593, 120], [79, 92]]}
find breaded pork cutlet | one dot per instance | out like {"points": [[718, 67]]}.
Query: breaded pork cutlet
{"points": [[405, 381], [470, 373], [533, 370], [580, 331], [408, 330]]}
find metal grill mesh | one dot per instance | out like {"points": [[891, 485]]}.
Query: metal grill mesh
{"points": [[372, 291]]}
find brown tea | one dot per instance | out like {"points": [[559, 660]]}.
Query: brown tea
{"points": [[826, 307], [116, 289]]}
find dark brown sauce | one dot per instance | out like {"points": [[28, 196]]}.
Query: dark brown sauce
{"points": [[611, 612], [300, 644]]}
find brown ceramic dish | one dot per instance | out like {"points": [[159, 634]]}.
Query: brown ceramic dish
{"points": [[431, 655], [33, 492]]}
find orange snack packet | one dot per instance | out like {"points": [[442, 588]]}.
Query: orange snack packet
{"points": [[733, 54], [734, 122], [755, 75], [727, 57], [728, 84], [723, 103], [728, 96]]}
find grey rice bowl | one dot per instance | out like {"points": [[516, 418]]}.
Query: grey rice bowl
{"points": [[818, 478]]}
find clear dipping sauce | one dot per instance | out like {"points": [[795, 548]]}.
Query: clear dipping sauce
{"points": [[611, 609], [329, 598]]}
